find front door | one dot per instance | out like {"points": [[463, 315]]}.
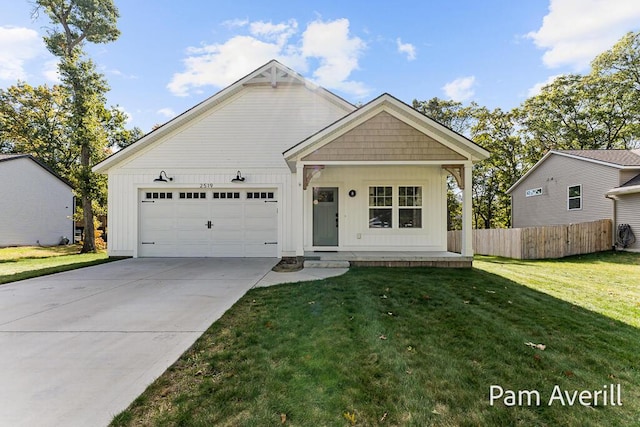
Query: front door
{"points": [[325, 216]]}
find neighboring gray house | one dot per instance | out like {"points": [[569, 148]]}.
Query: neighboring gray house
{"points": [[572, 186], [37, 205]]}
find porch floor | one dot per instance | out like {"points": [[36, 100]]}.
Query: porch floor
{"points": [[393, 259]]}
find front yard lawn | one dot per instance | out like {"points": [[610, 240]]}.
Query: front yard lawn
{"points": [[417, 347], [19, 263]]}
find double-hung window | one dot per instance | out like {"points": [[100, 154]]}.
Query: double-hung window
{"points": [[386, 203], [410, 207], [574, 197], [380, 207]]}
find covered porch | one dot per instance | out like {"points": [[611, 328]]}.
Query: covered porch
{"points": [[377, 180]]}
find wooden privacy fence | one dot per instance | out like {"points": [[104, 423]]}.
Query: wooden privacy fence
{"points": [[553, 241]]}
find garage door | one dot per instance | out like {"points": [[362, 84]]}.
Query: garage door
{"points": [[212, 223]]}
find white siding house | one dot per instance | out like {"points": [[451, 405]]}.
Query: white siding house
{"points": [[37, 205], [274, 166]]}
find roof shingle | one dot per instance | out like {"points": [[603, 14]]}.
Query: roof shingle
{"points": [[616, 157]]}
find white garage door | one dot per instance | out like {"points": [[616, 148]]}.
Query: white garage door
{"points": [[208, 223]]}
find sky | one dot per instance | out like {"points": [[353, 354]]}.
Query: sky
{"points": [[172, 55]]}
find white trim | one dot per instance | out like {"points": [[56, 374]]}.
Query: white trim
{"points": [[218, 98], [380, 162], [399, 110], [624, 190], [574, 197], [571, 156]]}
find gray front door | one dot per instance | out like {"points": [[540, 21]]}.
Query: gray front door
{"points": [[325, 216]]}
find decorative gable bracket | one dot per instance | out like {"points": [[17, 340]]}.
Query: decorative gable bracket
{"points": [[309, 172], [457, 171]]}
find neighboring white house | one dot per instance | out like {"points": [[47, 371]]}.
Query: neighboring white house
{"points": [[569, 186], [273, 166], [37, 205]]}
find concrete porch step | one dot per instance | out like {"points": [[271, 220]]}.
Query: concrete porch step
{"points": [[316, 263]]}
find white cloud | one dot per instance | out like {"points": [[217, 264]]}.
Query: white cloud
{"points": [[166, 112], [50, 71], [537, 88], [338, 53], [127, 115], [460, 89], [330, 43], [407, 49], [575, 31], [17, 46], [235, 23]]}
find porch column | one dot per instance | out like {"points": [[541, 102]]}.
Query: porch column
{"points": [[298, 211], [467, 212]]}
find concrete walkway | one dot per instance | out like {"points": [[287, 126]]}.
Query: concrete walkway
{"points": [[76, 348]]}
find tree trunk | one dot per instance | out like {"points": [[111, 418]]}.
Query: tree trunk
{"points": [[89, 244]]}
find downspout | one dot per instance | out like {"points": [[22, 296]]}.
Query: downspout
{"points": [[615, 222]]}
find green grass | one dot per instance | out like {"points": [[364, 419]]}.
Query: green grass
{"points": [[413, 347], [19, 263]]}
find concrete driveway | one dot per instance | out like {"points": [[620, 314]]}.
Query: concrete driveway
{"points": [[78, 347]]}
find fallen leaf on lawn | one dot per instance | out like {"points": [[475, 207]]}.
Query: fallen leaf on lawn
{"points": [[435, 412], [384, 417], [390, 313], [537, 357], [509, 302], [383, 337], [409, 371], [491, 292], [283, 418], [466, 302], [568, 374], [383, 297], [611, 376], [311, 302], [538, 346]]}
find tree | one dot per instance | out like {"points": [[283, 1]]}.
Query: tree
{"points": [[497, 132], [78, 21], [460, 119], [35, 120], [576, 112]]}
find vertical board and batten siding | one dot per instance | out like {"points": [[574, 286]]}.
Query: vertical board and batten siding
{"points": [[247, 132], [250, 130], [628, 207], [554, 176], [124, 215], [354, 211], [554, 241], [36, 206]]}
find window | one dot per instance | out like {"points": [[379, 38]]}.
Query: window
{"points": [[534, 192], [193, 195], [574, 199], [410, 207], [158, 195], [380, 207], [223, 195], [384, 205], [260, 195]]}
